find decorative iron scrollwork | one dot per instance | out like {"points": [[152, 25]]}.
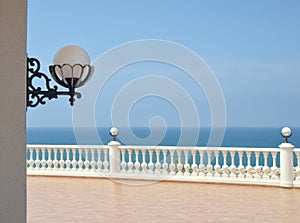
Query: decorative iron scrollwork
{"points": [[37, 95]]}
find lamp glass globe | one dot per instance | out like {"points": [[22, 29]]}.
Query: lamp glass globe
{"points": [[69, 58], [113, 131], [286, 132]]}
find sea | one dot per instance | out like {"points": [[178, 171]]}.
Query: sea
{"points": [[254, 137]]}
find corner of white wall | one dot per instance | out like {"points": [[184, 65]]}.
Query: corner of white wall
{"points": [[13, 23]]}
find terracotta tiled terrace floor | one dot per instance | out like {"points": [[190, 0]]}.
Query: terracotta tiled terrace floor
{"points": [[62, 199]]}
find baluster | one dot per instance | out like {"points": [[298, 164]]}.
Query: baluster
{"points": [[209, 167], [274, 169], [137, 164], [225, 169], [43, 161], [61, 161], [105, 162], [298, 166], [93, 162], [217, 167], [74, 161], [80, 162], [266, 169], [49, 161], [241, 168], [249, 168], [201, 164], [55, 161], [37, 158], [186, 164], [130, 163], [68, 162], [31, 161], [194, 165], [232, 167], [172, 164], [123, 162], [157, 164], [99, 160], [179, 164], [87, 163], [151, 164], [258, 168], [165, 163], [144, 164]]}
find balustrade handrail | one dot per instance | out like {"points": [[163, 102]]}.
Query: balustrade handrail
{"points": [[65, 146], [189, 148], [142, 147]]}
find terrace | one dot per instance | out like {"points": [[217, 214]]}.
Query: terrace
{"points": [[71, 183]]}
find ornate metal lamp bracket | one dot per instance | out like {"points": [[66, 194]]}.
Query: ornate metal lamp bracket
{"points": [[37, 95]]}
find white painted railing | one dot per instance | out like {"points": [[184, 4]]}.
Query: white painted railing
{"points": [[219, 164], [261, 166], [67, 160]]}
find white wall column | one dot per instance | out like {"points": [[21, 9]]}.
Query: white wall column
{"points": [[13, 23]]}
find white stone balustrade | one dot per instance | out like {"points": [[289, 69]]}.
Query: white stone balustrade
{"points": [[67, 160], [234, 165], [259, 166]]}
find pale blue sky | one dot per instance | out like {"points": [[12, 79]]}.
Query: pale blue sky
{"points": [[253, 47]]}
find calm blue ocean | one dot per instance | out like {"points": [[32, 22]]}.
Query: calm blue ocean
{"points": [[236, 137]]}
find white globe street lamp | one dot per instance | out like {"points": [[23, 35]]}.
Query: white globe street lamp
{"points": [[71, 69], [114, 133], [286, 132]]}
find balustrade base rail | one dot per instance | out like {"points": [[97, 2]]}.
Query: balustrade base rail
{"points": [[252, 166], [154, 177]]}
